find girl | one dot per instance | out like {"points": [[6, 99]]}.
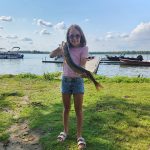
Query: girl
{"points": [[72, 83]]}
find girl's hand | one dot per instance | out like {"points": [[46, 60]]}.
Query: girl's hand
{"points": [[57, 52], [84, 75], [61, 46]]}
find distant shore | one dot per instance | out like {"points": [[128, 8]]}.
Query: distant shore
{"points": [[96, 52]]}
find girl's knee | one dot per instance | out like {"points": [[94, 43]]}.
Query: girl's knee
{"points": [[66, 109], [79, 111]]}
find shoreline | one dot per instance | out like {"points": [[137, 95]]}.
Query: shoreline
{"points": [[57, 75], [91, 52]]}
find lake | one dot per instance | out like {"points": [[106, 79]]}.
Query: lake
{"points": [[32, 63]]}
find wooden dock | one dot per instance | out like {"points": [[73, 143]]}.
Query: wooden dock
{"points": [[51, 61], [91, 65]]}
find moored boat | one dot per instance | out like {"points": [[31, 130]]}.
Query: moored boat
{"points": [[134, 62], [117, 58], [12, 54]]}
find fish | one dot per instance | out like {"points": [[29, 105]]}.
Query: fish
{"points": [[76, 68]]}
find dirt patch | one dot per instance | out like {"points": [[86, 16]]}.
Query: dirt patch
{"points": [[22, 138]]}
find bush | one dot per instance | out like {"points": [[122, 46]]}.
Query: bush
{"points": [[51, 76], [28, 75]]}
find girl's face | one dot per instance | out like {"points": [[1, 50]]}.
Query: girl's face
{"points": [[74, 37]]}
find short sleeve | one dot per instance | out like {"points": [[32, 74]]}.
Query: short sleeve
{"points": [[84, 53]]}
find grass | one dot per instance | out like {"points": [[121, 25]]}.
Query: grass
{"points": [[116, 118]]}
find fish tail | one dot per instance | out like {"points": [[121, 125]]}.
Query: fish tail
{"points": [[98, 86]]}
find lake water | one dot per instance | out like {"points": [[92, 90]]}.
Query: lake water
{"points": [[32, 63]]}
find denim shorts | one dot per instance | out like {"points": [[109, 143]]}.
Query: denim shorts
{"points": [[72, 85]]}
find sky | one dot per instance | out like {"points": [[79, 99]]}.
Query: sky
{"points": [[108, 25]]}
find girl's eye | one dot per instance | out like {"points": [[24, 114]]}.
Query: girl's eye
{"points": [[77, 36]]}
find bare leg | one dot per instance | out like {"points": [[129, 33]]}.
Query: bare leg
{"points": [[67, 103], [78, 100]]}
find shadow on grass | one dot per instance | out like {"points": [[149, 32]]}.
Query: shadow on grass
{"points": [[114, 122], [5, 95], [6, 112]]}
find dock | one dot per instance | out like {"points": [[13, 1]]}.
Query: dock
{"points": [[91, 65], [51, 61]]}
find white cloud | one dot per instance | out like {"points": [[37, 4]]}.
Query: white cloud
{"points": [[96, 39], [30, 43], [6, 18], [12, 37], [26, 39], [137, 39], [44, 23], [124, 35], [109, 35], [44, 32], [60, 26], [36, 32], [86, 20], [141, 32]]}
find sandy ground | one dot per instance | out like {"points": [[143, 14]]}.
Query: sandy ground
{"points": [[21, 137]]}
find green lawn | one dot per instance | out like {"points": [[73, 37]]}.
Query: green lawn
{"points": [[115, 118]]}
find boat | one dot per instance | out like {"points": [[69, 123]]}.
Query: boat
{"points": [[117, 58], [113, 58], [134, 62], [11, 54]]}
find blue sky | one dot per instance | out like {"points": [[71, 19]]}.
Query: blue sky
{"points": [[109, 25]]}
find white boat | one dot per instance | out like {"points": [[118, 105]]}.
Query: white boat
{"points": [[12, 54]]}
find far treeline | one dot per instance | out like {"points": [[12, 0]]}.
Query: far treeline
{"points": [[97, 52], [122, 52]]}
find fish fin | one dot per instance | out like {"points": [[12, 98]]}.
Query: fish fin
{"points": [[98, 86]]}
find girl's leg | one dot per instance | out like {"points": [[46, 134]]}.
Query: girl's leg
{"points": [[67, 103], [78, 100]]}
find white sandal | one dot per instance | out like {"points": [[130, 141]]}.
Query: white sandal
{"points": [[61, 137], [81, 141]]}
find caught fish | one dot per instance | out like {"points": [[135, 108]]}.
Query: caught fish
{"points": [[76, 68]]}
